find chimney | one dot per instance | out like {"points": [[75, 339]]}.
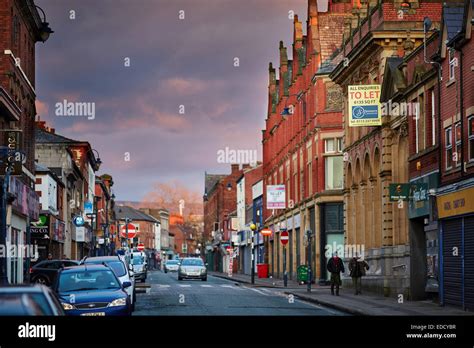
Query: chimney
{"points": [[234, 168], [272, 91], [284, 78]]}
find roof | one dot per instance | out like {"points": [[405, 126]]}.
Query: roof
{"points": [[453, 15], [44, 137], [123, 211], [393, 80], [88, 267], [210, 180]]}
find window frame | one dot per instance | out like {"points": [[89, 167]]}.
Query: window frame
{"points": [[448, 146], [470, 137]]}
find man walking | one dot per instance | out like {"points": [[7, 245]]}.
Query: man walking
{"points": [[357, 268], [335, 266]]}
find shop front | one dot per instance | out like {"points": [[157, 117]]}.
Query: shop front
{"points": [[456, 213], [424, 241]]}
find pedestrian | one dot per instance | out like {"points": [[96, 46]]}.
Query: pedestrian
{"points": [[65, 257], [357, 268], [153, 257], [335, 266], [50, 256]]}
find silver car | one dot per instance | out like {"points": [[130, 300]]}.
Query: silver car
{"points": [[192, 268], [171, 266]]}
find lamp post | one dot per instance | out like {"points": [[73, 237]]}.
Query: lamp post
{"points": [[127, 221], [309, 234], [253, 227]]}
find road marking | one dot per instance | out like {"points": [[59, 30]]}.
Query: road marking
{"points": [[206, 286], [260, 292], [163, 285], [227, 286], [184, 286]]}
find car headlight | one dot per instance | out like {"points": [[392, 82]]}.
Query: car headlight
{"points": [[203, 270], [67, 306], [118, 302]]}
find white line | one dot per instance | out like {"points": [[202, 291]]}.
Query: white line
{"points": [[184, 286], [256, 290], [227, 286], [163, 285], [206, 286]]}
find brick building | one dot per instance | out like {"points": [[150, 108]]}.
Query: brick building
{"points": [[386, 32], [21, 29], [220, 196], [302, 150], [455, 203]]}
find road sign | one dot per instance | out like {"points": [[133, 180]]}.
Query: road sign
{"points": [[266, 232], [284, 237], [132, 231], [78, 221], [141, 246]]}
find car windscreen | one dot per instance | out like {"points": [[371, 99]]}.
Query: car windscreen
{"points": [[192, 262], [117, 266], [171, 262], [88, 280], [137, 260]]}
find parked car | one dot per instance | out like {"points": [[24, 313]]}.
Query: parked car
{"points": [[92, 290], [192, 268], [29, 300], [139, 265], [45, 272], [121, 270], [171, 266]]}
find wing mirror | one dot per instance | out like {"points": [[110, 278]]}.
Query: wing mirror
{"points": [[127, 284]]}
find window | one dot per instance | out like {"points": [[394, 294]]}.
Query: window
{"points": [[420, 137], [329, 146], [457, 138], [449, 148], [339, 144], [333, 172], [452, 63], [470, 123]]}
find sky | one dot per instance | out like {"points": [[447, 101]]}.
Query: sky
{"points": [[140, 128]]}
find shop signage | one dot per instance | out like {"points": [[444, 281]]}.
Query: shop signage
{"points": [[276, 197], [13, 154], [399, 192], [456, 203], [364, 105], [26, 202], [80, 234]]}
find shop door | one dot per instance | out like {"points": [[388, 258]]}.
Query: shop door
{"points": [[290, 264], [298, 248], [469, 263], [452, 261]]}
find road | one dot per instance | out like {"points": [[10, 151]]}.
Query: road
{"points": [[168, 296]]}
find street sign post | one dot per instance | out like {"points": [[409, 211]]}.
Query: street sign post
{"points": [[141, 246], [284, 237]]}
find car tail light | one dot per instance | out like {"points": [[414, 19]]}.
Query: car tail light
{"points": [[31, 270]]}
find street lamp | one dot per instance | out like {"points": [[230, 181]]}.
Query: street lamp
{"points": [[98, 161], [45, 30]]}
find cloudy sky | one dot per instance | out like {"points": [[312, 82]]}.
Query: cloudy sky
{"points": [[173, 62]]}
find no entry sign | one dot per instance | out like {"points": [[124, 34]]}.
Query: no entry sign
{"points": [[284, 236], [141, 247], [132, 231], [266, 232]]}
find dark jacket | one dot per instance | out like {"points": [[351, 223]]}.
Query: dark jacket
{"points": [[335, 265], [357, 268]]}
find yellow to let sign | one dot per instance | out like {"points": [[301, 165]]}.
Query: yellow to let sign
{"points": [[456, 203], [364, 105]]}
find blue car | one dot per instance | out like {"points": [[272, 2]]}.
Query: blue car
{"points": [[92, 290]]}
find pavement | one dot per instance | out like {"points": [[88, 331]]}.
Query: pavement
{"points": [[347, 301], [167, 296]]}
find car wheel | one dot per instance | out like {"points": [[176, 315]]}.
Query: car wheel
{"points": [[180, 278], [166, 271], [204, 279], [41, 280]]}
